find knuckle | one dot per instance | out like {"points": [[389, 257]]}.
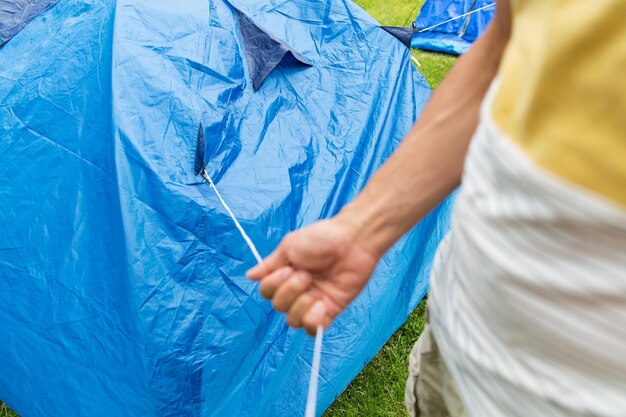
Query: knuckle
{"points": [[304, 280], [285, 272], [296, 284]]}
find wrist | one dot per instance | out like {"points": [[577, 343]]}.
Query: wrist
{"points": [[364, 229]]}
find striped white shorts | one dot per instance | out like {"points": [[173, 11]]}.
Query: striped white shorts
{"points": [[528, 292]]}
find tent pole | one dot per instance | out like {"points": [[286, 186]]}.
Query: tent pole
{"points": [[467, 20]]}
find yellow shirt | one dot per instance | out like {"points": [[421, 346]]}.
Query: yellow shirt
{"points": [[562, 94]]}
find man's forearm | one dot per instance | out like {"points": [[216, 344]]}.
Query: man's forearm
{"points": [[428, 164]]}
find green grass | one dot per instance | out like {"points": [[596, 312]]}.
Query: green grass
{"points": [[392, 12], [6, 411], [433, 67], [378, 391]]}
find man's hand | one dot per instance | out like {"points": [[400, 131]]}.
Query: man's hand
{"points": [[315, 273]]}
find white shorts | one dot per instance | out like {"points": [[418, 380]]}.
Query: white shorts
{"points": [[528, 292]]}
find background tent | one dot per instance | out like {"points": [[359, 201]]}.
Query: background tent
{"points": [[456, 35], [122, 289]]}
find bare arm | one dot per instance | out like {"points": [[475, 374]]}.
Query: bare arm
{"points": [[316, 272], [428, 164]]}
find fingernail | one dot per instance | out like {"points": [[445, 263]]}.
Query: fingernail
{"points": [[319, 308], [302, 277]]}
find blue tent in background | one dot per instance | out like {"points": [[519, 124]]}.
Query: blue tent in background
{"points": [[451, 26], [122, 288]]}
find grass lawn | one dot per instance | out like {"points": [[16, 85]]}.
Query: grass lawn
{"points": [[6, 411], [378, 391]]}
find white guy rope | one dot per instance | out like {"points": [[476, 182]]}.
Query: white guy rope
{"points": [[245, 236], [311, 401], [456, 18]]}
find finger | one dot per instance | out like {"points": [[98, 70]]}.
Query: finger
{"points": [[315, 317], [270, 264], [287, 293], [270, 283], [299, 308]]}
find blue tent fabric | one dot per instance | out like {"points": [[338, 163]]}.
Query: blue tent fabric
{"points": [[445, 38], [122, 288], [15, 14]]}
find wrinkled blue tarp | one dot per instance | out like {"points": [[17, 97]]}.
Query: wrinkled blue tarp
{"points": [[445, 38], [122, 289]]}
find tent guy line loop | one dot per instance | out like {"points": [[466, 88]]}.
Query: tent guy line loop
{"points": [[456, 18], [311, 402]]}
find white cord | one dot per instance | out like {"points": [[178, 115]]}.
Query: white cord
{"points": [[311, 401], [245, 236], [456, 18]]}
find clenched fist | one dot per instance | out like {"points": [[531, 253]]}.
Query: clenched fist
{"points": [[315, 273]]}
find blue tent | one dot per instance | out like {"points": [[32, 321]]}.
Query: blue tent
{"points": [[451, 26], [122, 288]]}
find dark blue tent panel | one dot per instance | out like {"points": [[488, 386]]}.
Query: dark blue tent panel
{"points": [[455, 36], [15, 14], [122, 288], [404, 35], [262, 51]]}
